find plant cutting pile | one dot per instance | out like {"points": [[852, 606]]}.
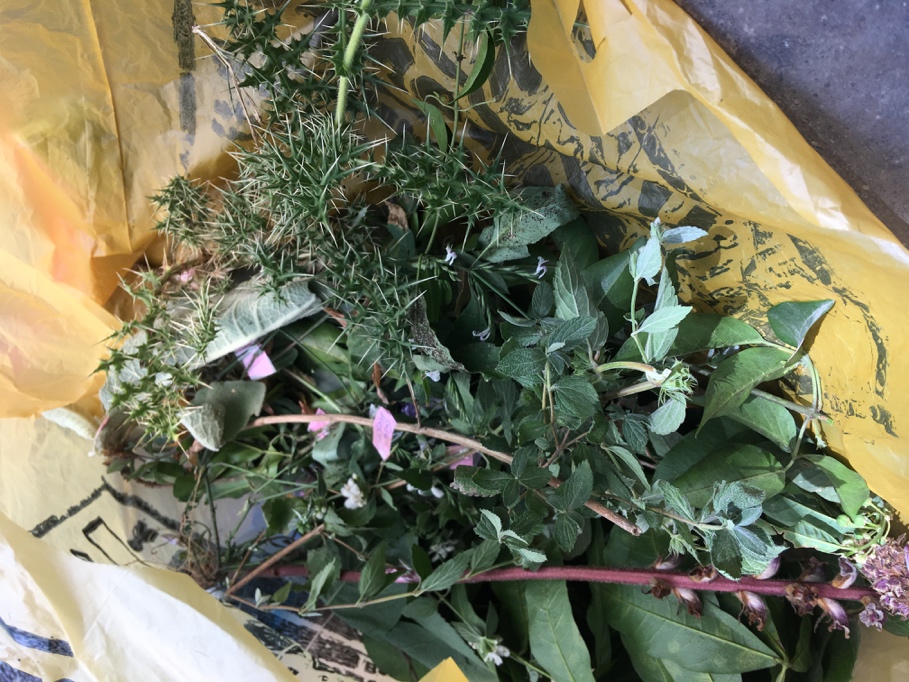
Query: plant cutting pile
{"points": [[485, 438]]}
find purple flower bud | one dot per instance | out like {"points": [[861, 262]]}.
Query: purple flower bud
{"points": [[690, 599], [836, 613], [848, 574], [659, 588], [771, 569], [814, 572], [872, 616], [754, 607], [703, 574], [802, 597], [670, 563], [541, 267], [483, 335]]}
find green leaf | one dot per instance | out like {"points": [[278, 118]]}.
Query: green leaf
{"points": [[746, 464], [817, 471], [808, 533], [325, 449], [387, 659], [483, 62], [373, 578], [791, 321], [428, 345], [246, 313], [669, 416], [543, 300], [630, 461], [278, 514], [484, 556], [611, 286], [571, 296], [575, 491], [555, 640], [239, 400], [770, 419], [490, 526], [682, 235], [734, 378], [703, 331], [571, 331], [447, 574], [524, 365], [575, 396], [206, 424], [435, 119], [665, 319], [674, 500], [715, 643], [663, 670], [542, 210], [577, 239], [693, 447], [481, 481], [567, 531], [646, 262]]}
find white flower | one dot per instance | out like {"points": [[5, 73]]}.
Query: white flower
{"points": [[483, 335], [353, 495], [441, 551], [497, 655], [450, 256], [436, 492], [433, 376], [541, 267]]}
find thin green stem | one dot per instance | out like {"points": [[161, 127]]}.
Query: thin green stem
{"points": [[350, 52], [638, 366]]}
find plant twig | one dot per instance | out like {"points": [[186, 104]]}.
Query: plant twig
{"points": [[455, 438], [275, 558], [625, 576]]}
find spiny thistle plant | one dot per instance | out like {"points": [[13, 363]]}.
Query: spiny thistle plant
{"points": [[484, 436]]}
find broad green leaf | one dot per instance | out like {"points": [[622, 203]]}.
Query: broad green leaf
{"points": [[373, 578], [572, 298], [669, 416], [769, 419], [674, 500], [278, 514], [524, 365], [791, 321], [481, 481], [682, 235], [484, 556], [575, 396], [543, 300], [567, 531], [732, 380], [817, 471], [239, 400], [664, 319], [432, 646], [246, 313], [206, 424], [808, 533], [693, 447], [577, 239], [576, 490], [665, 670], [611, 285], [482, 65], [555, 640], [788, 509], [746, 464], [542, 210], [447, 574], [646, 262], [714, 643], [573, 330], [325, 449], [387, 659], [703, 331], [630, 461]]}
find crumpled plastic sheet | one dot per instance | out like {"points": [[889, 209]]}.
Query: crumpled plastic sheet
{"points": [[643, 115]]}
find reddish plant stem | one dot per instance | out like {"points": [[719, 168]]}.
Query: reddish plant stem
{"points": [[438, 434], [624, 576]]}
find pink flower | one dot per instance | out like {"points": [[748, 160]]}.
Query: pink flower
{"points": [[257, 363], [319, 428]]}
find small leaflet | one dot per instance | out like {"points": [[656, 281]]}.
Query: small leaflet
{"points": [[256, 361], [383, 428]]}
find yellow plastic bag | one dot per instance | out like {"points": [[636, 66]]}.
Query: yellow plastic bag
{"points": [[644, 115]]}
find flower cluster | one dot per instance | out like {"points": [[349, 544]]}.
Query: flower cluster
{"points": [[887, 569]]}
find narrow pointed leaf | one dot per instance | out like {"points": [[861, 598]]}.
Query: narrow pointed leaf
{"points": [[791, 321]]}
